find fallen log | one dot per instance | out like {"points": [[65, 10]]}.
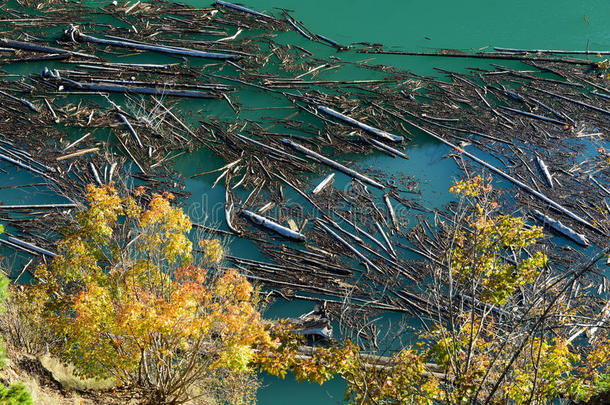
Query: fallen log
{"points": [[31, 246], [494, 169], [131, 129], [545, 171], [105, 88], [332, 163], [74, 33], [273, 226], [328, 180], [241, 8], [561, 228], [371, 130], [28, 46]]}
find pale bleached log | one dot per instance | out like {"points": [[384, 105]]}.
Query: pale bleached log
{"points": [[273, 226], [371, 130], [327, 180], [545, 171], [333, 164], [31, 246], [561, 228]]}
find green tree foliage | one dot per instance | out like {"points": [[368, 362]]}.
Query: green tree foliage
{"points": [[15, 394]]}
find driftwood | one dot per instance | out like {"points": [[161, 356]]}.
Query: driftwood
{"points": [[74, 33], [371, 130], [28, 46], [332, 163], [561, 228], [106, 88], [518, 183], [273, 226], [327, 180], [241, 8], [545, 171], [131, 129], [30, 246]]}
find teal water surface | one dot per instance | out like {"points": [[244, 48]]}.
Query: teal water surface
{"points": [[400, 25]]}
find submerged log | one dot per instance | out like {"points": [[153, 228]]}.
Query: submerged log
{"points": [[273, 226], [333, 164], [74, 33], [561, 228], [371, 130]]}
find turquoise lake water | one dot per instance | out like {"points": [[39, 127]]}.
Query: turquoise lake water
{"points": [[400, 25]]}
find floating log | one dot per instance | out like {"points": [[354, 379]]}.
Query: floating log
{"points": [[127, 89], [74, 33], [391, 212], [327, 180], [580, 103], [333, 164], [131, 129], [557, 52], [494, 169], [371, 130], [18, 247], [386, 148], [561, 228], [22, 101], [539, 117], [241, 8], [273, 226], [28, 46], [349, 246], [36, 206], [386, 239], [600, 185], [271, 148], [77, 153], [95, 174], [20, 164], [31, 247], [545, 171]]}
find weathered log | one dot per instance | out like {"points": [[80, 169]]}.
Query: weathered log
{"points": [[241, 8], [28, 46], [131, 129], [494, 169], [349, 246], [22, 101], [561, 228], [36, 206], [545, 171], [74, 33], [371, 130], [539, 117], [327, 180], [333, 164], [391, 212], [273, 226], [552, 51], [271, 148], [386, 148], [31, 246], [77, 153], [386, 239], [127, 89]]}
